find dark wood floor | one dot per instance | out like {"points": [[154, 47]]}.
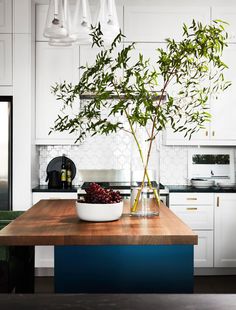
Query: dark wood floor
{"points": [[202, 285], [215, 284]]}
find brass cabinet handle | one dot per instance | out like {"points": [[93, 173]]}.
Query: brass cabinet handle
{"points": [[213, 133], [192, 209], [206, 133], [191, 198], [218, 201]]}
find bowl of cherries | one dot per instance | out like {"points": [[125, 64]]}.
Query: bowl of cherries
{"points": [[99, 204]]}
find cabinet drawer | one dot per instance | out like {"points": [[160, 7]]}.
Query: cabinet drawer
{"points": [[197, 217], [53, 195], [191, 199]]}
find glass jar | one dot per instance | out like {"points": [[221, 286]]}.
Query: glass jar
{"points": [[145, 175]]}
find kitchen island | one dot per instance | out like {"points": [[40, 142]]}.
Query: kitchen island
{"points": [[131, 255]]}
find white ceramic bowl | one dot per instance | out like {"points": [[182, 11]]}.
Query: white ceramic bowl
{"points": [[98, 212], [202, 183]]}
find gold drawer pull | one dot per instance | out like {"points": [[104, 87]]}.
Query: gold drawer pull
{"points": [[191, 198], [191, 209]]}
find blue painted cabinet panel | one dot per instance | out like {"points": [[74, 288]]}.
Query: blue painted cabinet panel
{"points": [[124, 269]]}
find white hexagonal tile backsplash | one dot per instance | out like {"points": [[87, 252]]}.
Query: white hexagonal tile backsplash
{"points": [[113, 152]]}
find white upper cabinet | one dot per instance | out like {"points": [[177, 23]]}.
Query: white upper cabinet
{"points": [[40, 21], [201, 137], [227, 14], [222, 128], [223, 110], [53, 64], [148, 50], [155, 23], [5, 42], [5, 16], [5, 59], [88, 56]]}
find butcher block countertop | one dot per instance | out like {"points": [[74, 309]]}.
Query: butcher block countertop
{"points": [[54, 222]]}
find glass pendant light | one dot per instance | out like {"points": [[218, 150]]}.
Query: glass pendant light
{"points": [[108, 19], [81, 22], [68, 40], [56, 27]]}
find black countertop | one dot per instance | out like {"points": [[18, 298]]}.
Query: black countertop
{"points": [[172, 189], [191, 189], [44, 188]]}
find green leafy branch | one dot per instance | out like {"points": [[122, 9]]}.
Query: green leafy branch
{"points": [[172, 93]]}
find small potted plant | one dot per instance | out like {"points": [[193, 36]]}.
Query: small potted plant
{"points": [[99, 204]]}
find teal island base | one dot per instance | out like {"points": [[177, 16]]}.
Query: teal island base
{"points": [[124, 269]]}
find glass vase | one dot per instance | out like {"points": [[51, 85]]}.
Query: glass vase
{"points": [[145, 174]]}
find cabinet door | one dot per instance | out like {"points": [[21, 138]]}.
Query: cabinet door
{"points": [[6, 59], [203, 252], [227, 14], [88, 56], [222, 129], [53, 64], [225, 230], [149, 52], [155, 23], [5, 16], [223, 125], [201, 137], [40, 21]]}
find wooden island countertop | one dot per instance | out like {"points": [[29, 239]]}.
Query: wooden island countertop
{"points": [[55, 222]]}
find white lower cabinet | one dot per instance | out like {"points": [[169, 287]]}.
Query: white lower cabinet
{"points": [[203, 252], [212, 216], [197, 211], [44, 255], [225, 230]]}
